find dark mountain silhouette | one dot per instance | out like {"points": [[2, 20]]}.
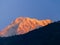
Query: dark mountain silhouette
{"points": [[47, 35]]}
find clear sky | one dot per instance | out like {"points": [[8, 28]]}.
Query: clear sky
{"points": [[40, 9]]}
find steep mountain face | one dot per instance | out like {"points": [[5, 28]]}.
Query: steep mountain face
{"points": [[47, 35], [23, 25]]}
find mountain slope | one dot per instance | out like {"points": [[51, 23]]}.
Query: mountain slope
{"points": [[23, 25], [47, 35]]}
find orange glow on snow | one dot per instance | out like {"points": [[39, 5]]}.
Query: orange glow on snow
{"points": [[25, 25], [28, 24]]}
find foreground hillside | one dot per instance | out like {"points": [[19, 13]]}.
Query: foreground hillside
{"points": [[48, 35]]}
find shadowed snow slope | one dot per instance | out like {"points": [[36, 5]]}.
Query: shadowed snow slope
{"points": [[23, 25], [47, 35]]}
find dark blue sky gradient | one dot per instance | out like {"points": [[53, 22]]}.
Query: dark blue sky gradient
{"points": [[40, 9]]}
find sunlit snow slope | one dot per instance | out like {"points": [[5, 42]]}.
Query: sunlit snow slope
{"points": [[22, 25]]}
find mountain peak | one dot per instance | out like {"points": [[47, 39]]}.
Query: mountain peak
{"points": [[22, 25]]}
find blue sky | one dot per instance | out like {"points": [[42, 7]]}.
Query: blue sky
{"points": [[40, 9]]}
